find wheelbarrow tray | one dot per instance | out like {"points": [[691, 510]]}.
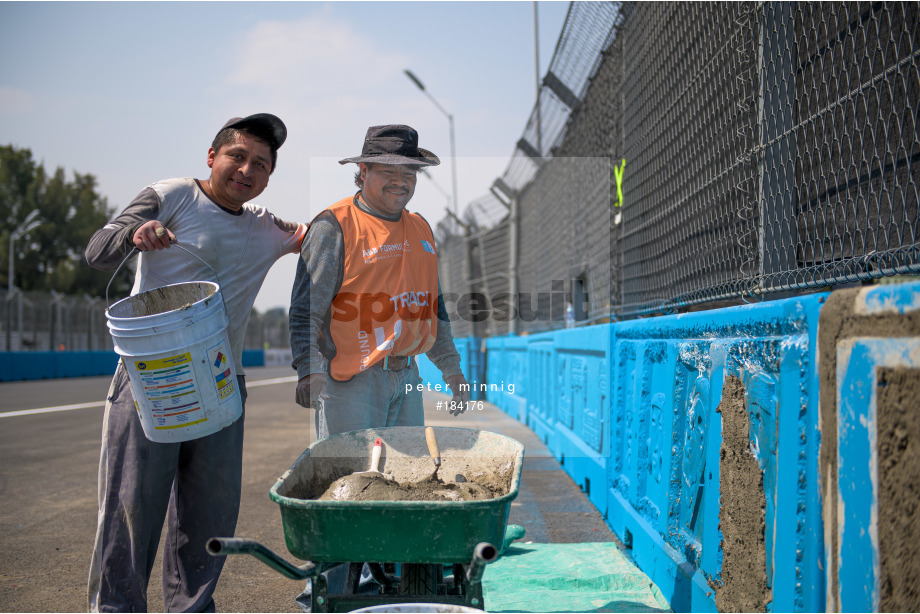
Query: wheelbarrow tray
{"points": [[398, 531]]}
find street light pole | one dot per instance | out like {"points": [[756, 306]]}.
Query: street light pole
{"points": [[27, 224], [437, 185], [453, 151]]}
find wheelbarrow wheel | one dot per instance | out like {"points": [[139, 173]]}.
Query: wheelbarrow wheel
{"points": [[420, 579]]}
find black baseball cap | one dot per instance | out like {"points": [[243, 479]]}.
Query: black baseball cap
{"points": [[265, 125]]}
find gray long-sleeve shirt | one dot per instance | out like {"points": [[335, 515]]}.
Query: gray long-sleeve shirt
{"points": [[319, 277], [233, 248]]}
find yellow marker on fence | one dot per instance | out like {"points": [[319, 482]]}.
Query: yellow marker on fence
{"points": [[618, 175]]}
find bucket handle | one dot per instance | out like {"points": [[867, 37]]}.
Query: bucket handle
{"points": [[134, 249]]}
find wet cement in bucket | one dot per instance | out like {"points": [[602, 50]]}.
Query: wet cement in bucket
{"points": [[162, 300]]}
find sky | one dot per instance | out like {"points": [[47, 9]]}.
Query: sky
{"points": [[134, 92]]}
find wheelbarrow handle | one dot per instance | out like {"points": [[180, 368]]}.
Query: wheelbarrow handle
{"points": [[221, 546], [483, 554]]}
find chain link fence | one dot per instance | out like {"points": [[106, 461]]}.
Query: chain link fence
{"points": [[679, 155], [683, 155], [41, 321]]}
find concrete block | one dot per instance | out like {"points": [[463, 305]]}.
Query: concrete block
{"points": [[582, 399], [870, 393], [714, 412], [541, 390], [253, 358]]}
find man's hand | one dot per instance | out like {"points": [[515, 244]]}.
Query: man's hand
{"points": [[461, 391], [309, 388], [151, 236]]}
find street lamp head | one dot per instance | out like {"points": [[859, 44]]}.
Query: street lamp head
{"points": [[415, 79], [27, 224], [32, 215], [450, 121]]}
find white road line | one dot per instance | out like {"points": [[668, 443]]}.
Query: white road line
{"points": [[269, 382], [47, 410]]}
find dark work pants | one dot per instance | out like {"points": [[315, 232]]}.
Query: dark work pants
{"points": [[193, 485]]}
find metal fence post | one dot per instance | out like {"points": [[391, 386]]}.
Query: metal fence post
{"points": [[777, 103], [514, 229]]}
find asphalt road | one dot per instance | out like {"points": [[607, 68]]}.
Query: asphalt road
{"points": [[48, 470]]}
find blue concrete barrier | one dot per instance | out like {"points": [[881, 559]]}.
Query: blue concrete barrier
{"points": [[30, 365], [667, 443], [873, 534], [429, 373], [494, 371], [540, 413], [515, 377], [698, 436], [20, 366], [253, 358], [581, 392], [6, 366], [472, 363], [506, 375]]}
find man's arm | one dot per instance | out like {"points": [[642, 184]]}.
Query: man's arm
{"points": [[446, 358], [110, 244], [318, 279], [443, 352]]}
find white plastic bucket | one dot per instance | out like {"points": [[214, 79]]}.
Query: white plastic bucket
{"points": [[174, 345]]}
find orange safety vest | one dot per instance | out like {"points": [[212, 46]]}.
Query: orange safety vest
{"points": [[388, 301]]}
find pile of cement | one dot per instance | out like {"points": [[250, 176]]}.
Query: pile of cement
{"points": [[377, 487]]}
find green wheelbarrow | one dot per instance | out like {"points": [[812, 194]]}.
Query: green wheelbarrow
{"points": [[406, 545]]}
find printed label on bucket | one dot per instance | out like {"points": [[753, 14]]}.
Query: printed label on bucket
{"points": [[169, 387], [220, 359]]}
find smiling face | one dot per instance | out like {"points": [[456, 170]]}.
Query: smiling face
{"points": [[388, 188], [239, 171]]}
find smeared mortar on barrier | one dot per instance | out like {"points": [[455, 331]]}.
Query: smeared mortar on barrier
{"points": [[899, 488], [846, 315], [741, 514]]}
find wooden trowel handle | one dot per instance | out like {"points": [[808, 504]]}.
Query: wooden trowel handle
{"points": [[433, 445]]}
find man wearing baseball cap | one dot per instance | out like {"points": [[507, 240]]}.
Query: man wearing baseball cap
{"points": [[193, 485]]}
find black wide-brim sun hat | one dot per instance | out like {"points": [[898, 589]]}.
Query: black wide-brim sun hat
{"points": [[393, 144]]}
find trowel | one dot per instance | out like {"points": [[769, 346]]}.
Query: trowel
{"points": [[347, 487], [375, 460], [435, 452]]}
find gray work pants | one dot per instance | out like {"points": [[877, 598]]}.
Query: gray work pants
{"points": [[373, 398], [193, 485]]}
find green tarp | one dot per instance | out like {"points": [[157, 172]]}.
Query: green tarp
{"points": [[590, 577]]}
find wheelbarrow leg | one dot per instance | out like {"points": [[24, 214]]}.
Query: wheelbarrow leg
{"points": [[320, 597], [484, 554], [387, 583], [353, 578]]}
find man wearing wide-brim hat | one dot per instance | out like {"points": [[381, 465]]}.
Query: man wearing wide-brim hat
{"points": [[366, 298]]}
